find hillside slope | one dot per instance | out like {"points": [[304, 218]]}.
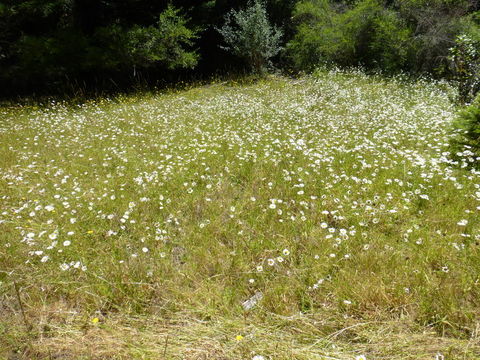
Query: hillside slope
{"points": [[312, 219]]}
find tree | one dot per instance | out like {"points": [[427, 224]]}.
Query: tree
{"points": [[167, 43], [248, 34]]}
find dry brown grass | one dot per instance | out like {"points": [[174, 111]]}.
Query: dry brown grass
{"points": [[58, 333]]}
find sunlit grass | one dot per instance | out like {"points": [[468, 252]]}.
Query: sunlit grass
{"points": [[330, 202]]}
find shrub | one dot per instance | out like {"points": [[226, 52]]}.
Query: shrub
{"points": [[365, 34], [410, 35], [466, 145], [249, 35], [167, 43], [390, 46], [465, 64], [323, 36], [435, 24], [66, 55]]}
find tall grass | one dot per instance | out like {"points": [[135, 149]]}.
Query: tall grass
{"points": [[329, 202]]}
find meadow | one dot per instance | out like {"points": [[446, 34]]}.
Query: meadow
{"points": [[315, 218]]}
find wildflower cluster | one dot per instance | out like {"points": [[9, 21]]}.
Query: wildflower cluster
{"points": [[331, 190]]}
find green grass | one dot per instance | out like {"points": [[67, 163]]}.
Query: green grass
{"points": [[332, 196]]}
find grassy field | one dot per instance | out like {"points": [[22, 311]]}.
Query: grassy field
{"points": [[319, 218]]}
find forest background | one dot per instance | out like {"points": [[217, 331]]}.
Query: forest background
{"points": [[69, 46]]}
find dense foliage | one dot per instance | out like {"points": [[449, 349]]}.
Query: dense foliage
{"points": [[466, 145], [465, 63], [413, 35], [54, 44]]}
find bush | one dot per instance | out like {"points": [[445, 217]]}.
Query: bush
{"points": [[366, 34], [319, 38], [54, 45], [435, 24], [390, 46], [249, 35], [166, 43], [466, 145], [410, 35], [465, 64]]}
